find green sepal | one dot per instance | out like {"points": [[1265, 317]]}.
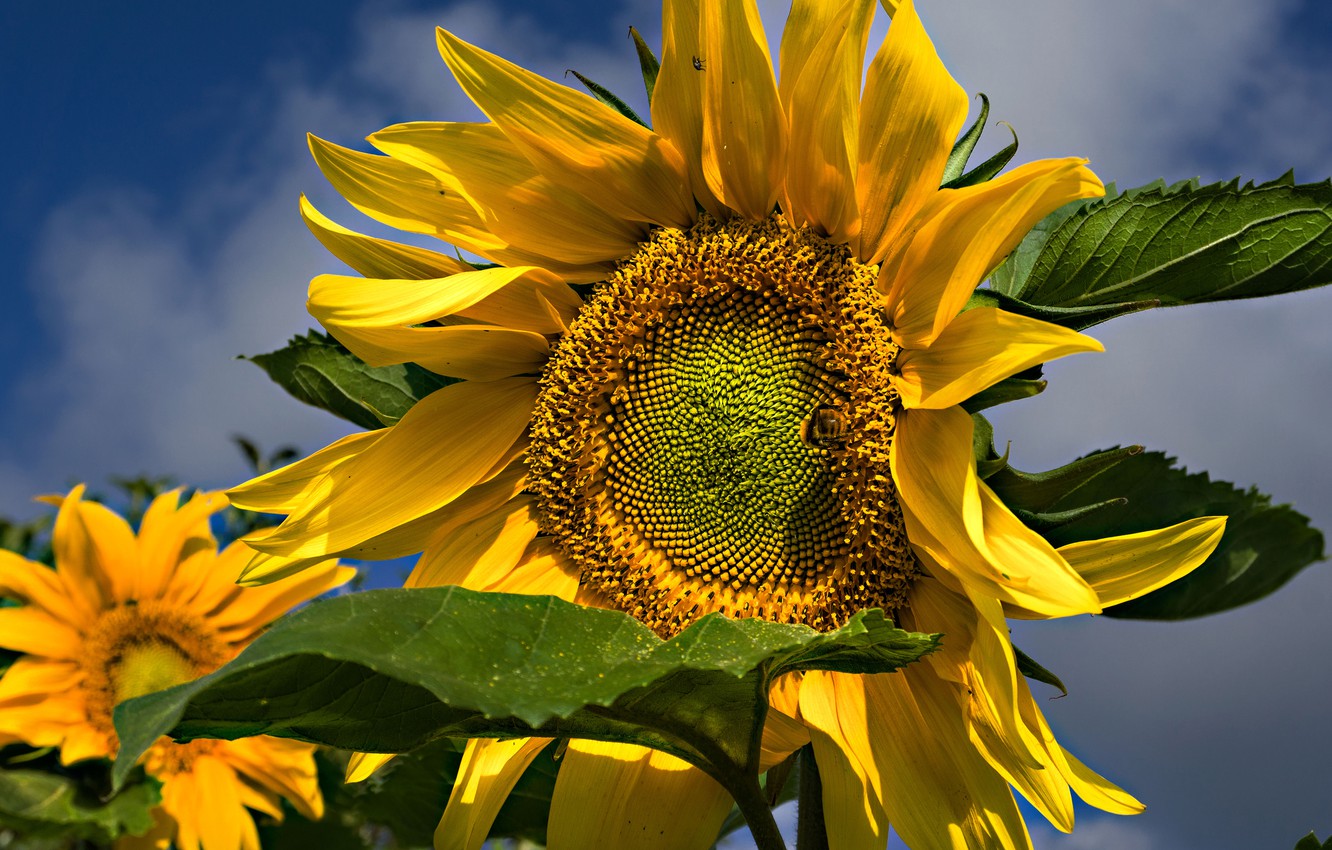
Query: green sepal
{"points": [[988, 461], [1028, 667], [608, 97], [1075, 318], [1009, 389], [319, 371], [1180, 244], [458, 663], [990, 168], [1263, 547], [1043, 522], [647, 61], [39, 804], [1310, 842], [964, 146]]}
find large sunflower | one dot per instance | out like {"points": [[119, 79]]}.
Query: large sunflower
{"points": [[756, 410], [123, 615]]}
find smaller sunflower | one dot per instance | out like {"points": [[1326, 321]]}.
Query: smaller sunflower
{"points": [[123, 615]]}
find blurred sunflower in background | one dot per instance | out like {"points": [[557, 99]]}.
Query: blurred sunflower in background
{"points": [[755, 410], [125, 614]]}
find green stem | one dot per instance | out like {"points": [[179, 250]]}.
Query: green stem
{"points": [[762, 826], [811, 833]]}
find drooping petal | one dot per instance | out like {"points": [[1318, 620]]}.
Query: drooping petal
{"points": [[489, 770], [1131, 565], [910, 114], [958, 520], [574, 140], [744, 129], [1096, 790], [374, 257], [410, 471], [823, 52], [480, 552], [832, 705], [977, 349], [361, 765], [249, 610], [284, 490], [622, 795], [469, 352], [938, 791], [677, 98], [962, 234], [517, 203]]}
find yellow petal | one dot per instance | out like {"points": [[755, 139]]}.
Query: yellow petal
{"points": [[978, 656], [518, 204], [574, 140], [962, 234], [481, 551], [977, 349], [1096, 790], [956, 519], [401, 196], [832, 705], [283, 490], [443, 445], [170, 534], [677, 98], [621, 795], [280, 766], [219, 820], [824, 49], [35, 632], [744, 129], [938, 791], [910, 114], [361, 765], [469, 352], [542, 570], [249, 610], [1126, 567], [489, 770], [37, 585], [377, 257]]}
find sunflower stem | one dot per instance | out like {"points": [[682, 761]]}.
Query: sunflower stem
{"points": [[758, 815], [811, 833]]}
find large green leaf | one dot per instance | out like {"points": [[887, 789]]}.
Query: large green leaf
{"points": [[389, 670], [37, 803], [1180, 244], [318, 370], [1124, 491]]}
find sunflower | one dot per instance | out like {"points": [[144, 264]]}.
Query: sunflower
{"points": [[754, 410], [123, 615]]}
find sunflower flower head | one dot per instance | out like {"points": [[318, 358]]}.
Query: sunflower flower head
{"points": [[125, 614], [757, 410]]}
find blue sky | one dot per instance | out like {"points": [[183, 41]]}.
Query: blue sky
{"points": [[149, 222]]}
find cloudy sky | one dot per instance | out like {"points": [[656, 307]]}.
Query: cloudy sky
{"points": [[148, 218]]}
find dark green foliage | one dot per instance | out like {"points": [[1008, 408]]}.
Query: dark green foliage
{"points": [[1179, 244], [390, 670], [1264, 545], [319, 371]]}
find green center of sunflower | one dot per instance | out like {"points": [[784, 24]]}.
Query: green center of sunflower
{"points": [[713, 432], [139, 648]]}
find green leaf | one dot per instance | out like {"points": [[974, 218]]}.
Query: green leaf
{"points": [[1180, 244], [1263, 547], [647, 61], [317, 370], [608, 97], [1076, 318], [1310, 842], [38, 803], [389, 670]]}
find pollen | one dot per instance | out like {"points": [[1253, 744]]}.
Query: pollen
{"points": [[713, 432]]}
